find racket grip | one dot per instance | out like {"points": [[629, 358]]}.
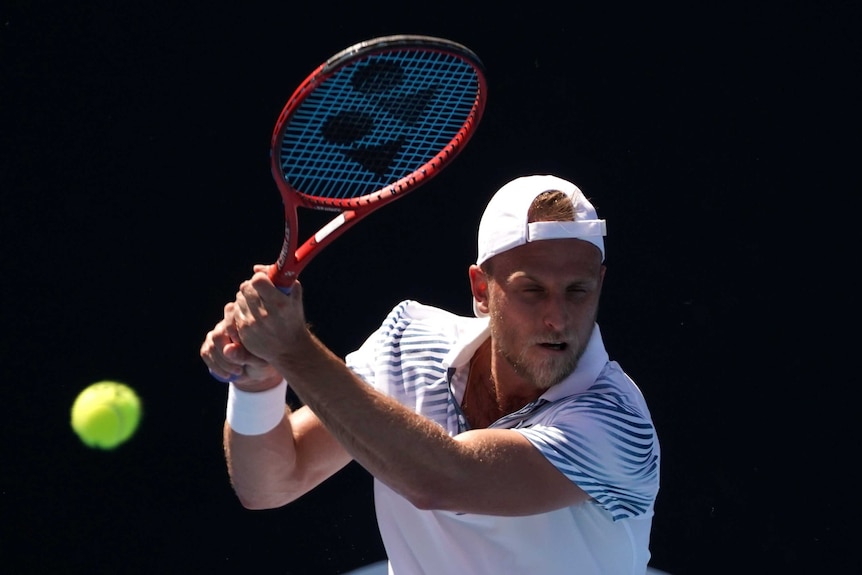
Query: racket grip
{"points": [[279, 280]]}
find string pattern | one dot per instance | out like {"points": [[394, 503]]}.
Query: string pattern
{"points": [[377, 120]]}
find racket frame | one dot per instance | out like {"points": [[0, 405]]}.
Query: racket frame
{"points": [[294, 257]]}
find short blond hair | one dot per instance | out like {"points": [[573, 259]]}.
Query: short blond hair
{"points": [[551, 206], [548, 206]]}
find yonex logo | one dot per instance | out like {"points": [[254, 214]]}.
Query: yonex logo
{"points": [[372, 81]]}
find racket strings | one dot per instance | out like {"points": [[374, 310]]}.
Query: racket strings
{"points": [[376, 121]]}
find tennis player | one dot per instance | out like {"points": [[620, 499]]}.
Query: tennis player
{"points": [[508, 442]]}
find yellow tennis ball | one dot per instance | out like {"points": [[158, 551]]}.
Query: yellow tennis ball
{"points": [[106, 414]]}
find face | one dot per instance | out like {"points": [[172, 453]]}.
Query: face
{"points": [[542, 299]]}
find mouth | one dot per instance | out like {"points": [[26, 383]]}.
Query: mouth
{"points": [[555, 345]]}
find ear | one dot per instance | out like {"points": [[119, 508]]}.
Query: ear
{"points": [[479, 287]]}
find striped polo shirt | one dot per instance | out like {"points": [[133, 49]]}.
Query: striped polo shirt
{"points": [[594, 427]]}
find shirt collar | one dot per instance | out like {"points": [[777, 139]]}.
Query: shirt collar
{"points": [[471, 333]]}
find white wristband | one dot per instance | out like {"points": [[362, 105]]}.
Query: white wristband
{"points": [[255, 413]]}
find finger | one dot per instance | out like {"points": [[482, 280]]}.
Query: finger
{"points": [[241, 307], [296, 290], [247, 298], [230, 311], [237, 354], [225, 372], [219, 368], [263, 288], [220, 378]]}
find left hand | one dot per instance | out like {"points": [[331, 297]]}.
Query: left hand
{"points": [[228, 360]]}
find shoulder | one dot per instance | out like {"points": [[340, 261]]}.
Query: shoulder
{"points": [[611, 416], [410, 315], [604, 440], [411, 310], [411, 327], [611, 408], [406, 356], [616, 390]]}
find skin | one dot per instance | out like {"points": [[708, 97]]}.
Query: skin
{"points": [[543, 300]]}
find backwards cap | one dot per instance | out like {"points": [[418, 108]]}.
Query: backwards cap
{"points": [[504, 224]]}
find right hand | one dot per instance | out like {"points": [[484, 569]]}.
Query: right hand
{"points": [[228, 360]]}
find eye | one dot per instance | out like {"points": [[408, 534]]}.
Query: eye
{"points": [[578, 289]]}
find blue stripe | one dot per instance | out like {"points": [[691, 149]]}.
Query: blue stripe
{"points": [[618, 467]]}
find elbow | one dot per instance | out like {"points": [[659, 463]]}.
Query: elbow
{"points": [[426, 503], [437, 488], [428, 498], [258, 501], [255, 504]]}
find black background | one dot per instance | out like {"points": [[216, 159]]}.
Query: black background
{"points": [[136, 195]]}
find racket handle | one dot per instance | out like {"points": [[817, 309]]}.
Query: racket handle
{"points": [[282, 281]]}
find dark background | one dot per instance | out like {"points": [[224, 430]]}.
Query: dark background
{"points": [[136, 195]]}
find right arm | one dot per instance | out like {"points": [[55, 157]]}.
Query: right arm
{"points": [[276, 467]]}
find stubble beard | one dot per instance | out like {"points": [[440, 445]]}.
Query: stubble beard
{"points": [[543, 374]]}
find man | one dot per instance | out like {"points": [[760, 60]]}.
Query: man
{"points": [[505, 443]]}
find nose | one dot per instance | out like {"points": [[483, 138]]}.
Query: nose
{"points": [[556, 313]]}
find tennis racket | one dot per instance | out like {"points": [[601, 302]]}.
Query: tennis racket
{"points": [[369, 125]]}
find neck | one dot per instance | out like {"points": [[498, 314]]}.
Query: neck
{"points": [[493, 389]]}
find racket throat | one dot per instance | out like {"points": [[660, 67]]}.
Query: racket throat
{"points": [[323, 235]]}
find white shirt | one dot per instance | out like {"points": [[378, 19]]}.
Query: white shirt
{"points": [[594, 426]]}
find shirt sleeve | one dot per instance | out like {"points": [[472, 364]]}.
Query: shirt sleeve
{"points": [[365, 361], [609, 449]]}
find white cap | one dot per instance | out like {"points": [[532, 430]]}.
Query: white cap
{"points": [[504, 224]]}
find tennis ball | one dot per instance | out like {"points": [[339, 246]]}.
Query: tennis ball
{"points": [[106, 414]]}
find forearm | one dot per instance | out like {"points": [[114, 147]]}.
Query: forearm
{"points": [[410, 453], [261, 466], [276, 455]]}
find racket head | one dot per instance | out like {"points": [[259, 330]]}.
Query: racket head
{"points": [[373, 122]]}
